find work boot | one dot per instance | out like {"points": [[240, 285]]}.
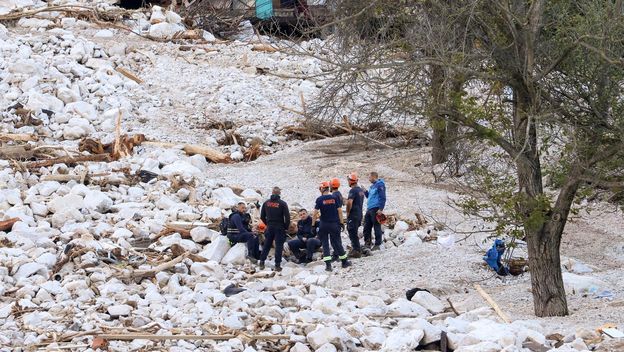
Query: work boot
{"points": [[278, 268], [262, 265], [346, 263], [368, 244], [328, 266], [375, 248], [355, 254]]}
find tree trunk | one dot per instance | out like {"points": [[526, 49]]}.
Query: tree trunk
{"points": [[439, 152], [543, 226]]}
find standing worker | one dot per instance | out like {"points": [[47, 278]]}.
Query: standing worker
{"points": [[376, 202], [326, 210], [275, 215], [334, 185], [305, 239], [238, 231], [355, 203]]}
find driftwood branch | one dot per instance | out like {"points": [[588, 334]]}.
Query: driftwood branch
{"points": [[130, 337], [67, 160], [492, 303]]}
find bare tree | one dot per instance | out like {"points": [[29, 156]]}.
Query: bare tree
{"points": [[521, 77]]}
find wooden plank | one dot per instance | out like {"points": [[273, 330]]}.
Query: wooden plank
{"points": [[492, 303]]}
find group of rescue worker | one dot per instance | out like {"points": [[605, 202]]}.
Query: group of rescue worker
{"points": [[322, 229]]}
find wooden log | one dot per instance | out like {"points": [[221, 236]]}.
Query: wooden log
{"points": [[139, 274], [18, 137], [7, 225], [191, 149], [67, 160], [209, 153], [17, 152], [129, 74], [264, 48], [492, 303], [130, 337]]}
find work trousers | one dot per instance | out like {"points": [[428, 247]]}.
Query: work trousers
{"points": [[353, 225], [311, 245], [253, 243], [277, 234], [370, 222], [330, 232]]}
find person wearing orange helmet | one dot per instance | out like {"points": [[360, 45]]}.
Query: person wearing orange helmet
{"points": [[326, 210], [355, 203]]}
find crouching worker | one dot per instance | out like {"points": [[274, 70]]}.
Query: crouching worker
{"points": [[493, 257], [326, 210], [238, 231], [305, 239]]}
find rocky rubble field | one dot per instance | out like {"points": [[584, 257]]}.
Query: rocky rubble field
{"points": [[129, 247]]}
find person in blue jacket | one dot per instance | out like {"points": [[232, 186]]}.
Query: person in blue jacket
{"points": [[493, 257], [306, 238], [376, 202], [239, 231]]}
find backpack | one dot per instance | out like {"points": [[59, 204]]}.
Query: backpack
{"points": [[223, 225]]}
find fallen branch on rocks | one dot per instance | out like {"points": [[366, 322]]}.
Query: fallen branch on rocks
{"points": [[191, 149], [7, 225], [143, 273], [130, 337], [264, 48], [492, 303], [18, 137], [69, 160], [67, 257], [129, 74]]}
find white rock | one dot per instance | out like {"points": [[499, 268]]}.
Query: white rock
{"points": [[46, 188], [119, 310], [217, 249], [173, 17], [400, 228], [576, 284], [402, 340], [251, 196], [373, 338], [34, 23], [39, 209], [98, 201], [69, 201], [208, 269], [233, 322], [201, 234], [237, 155], [136, 193], [157, 15], [82, 109], [104, 33], [37, 101], [122, 233], [328, 347], [181, 168], [165, 30], [365, 301], [236, 254], [117, 49], [209, 37], [29, 269], [212, 213], [323, 335], [298, 347], [225, 197], [431, 332], [429, 302], [487, 346]]}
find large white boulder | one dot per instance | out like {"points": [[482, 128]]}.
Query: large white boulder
{"points": [[181, 167], [217, 249], [405, 307], [373, 338], [29, 269], [431, 332], [82, 109], [68, 201], [37, 101], [576, 284], [201, 234], [165, 30], [119, 310], [428, 301], [323, 335], [225, 197], [402, 340], [209, 269], [98, 201], [236, 254]]}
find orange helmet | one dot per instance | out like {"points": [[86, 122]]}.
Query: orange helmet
{"points": [[261, 226], [324, 185], [334, 183], [352, 178]]}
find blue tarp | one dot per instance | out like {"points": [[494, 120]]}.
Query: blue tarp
{"points": [[264, 9]]}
